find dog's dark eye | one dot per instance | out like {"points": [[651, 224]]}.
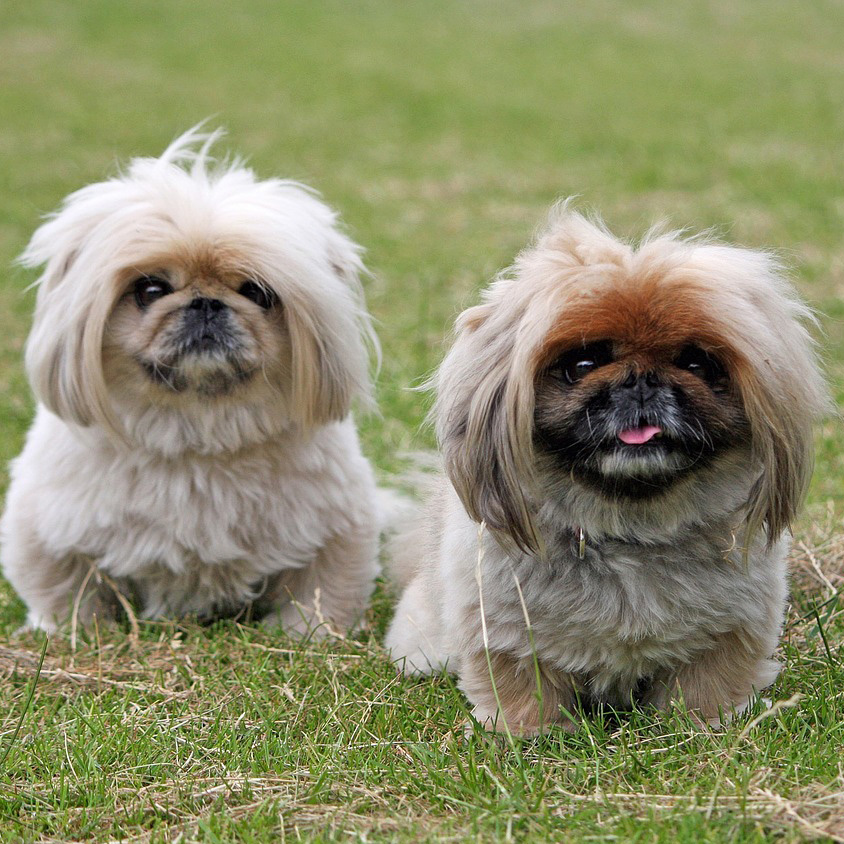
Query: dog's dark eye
{"points": [[149, 288], [578, 363], [700, 363], [257, 293]]}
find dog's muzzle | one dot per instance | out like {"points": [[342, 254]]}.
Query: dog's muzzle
{"points": [[206, 326], [204, 351]]}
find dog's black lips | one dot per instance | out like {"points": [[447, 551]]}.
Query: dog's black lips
{"points": [[577, 447], [168, 375]]}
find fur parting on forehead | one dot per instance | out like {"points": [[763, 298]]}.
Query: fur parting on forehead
{"points": [[651, 317], [208, 259]]}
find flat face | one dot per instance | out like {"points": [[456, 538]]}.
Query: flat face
{"points": [[192, 325], [634, 390]]}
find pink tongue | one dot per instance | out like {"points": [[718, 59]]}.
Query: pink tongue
{"points": [[637, 436]]}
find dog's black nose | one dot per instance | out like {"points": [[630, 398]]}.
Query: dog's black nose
{"points": [[206, 323], [650, 378], [206, 306], [642, 387]]}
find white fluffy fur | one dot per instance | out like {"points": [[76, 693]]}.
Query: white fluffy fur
{"points": [[667, 592], [189, 502]]}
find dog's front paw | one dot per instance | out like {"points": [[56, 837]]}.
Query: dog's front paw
{"points": [[525, 724], [36, 623], [300, 622], [417, 663], [498, 726]]}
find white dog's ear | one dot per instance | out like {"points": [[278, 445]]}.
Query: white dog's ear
{"points": [[332, 338], [484, 414], [64, 348], [344, 256], [473, 318], [329, 370]]}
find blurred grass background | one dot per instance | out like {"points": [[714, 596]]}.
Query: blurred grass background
{"points": [[442, 131]]}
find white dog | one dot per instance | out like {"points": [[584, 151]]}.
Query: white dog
{"points": [[198, 340]]}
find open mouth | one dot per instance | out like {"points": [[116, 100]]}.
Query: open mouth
{"points": [[641, 436]]}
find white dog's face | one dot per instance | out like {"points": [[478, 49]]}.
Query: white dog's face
{"points": [[190, 302], [193, 331]]}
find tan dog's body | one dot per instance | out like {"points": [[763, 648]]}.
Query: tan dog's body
{"points": [[617, 426], [693, 620]]}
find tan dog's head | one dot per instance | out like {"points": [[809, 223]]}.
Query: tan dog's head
{"points": [[638, 380], [185, 294]]}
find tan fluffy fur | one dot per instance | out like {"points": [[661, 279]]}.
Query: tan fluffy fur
{"points": [[681, 589]]}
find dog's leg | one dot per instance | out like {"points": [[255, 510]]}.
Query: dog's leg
{"points": [[415, 635], [51, 587], [331, 594], [528, 707], [720, 681]]}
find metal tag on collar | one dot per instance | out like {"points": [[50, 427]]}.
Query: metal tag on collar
{"points": [[581, 543]]}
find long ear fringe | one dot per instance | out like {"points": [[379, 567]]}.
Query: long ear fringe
{"points": [[346, 258], [484, 414], [64, 362], [327, 376], [334, 342], [782, 388], [481, 465], [64, 348], [782, 437]]}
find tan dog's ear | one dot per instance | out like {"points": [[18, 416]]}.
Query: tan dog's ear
{"points": [[776, 370], [484, 415], [781, 433]]}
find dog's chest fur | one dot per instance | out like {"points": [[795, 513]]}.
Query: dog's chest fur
{"points": [[625, 611], [197, 533]]}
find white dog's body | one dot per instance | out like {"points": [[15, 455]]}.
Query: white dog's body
{"points": [[199, 339], [273, 521]]}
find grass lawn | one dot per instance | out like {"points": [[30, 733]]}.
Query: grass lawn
{"points": [[442, 131]]}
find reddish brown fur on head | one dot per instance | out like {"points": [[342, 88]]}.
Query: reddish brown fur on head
{"points": [[579, 285], [642, 369], [649, 319]]}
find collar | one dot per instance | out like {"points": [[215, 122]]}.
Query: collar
{"points": [[580, 540]]}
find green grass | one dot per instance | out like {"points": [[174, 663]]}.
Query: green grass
{"points": [[442, 131]]}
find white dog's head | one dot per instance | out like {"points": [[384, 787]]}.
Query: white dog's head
{"points": [[185, 304]]}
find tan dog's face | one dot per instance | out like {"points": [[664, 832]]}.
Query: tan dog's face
{"points": [[604, 377], [638, 392], [197, 329]]}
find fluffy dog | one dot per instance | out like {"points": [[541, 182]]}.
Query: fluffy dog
{"points": [[198, 340], [627, 435]]}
